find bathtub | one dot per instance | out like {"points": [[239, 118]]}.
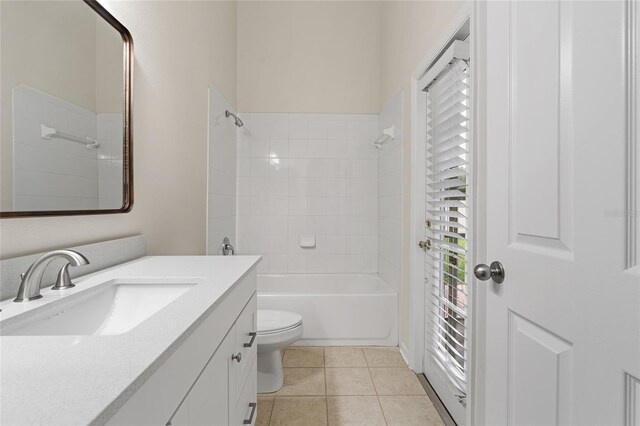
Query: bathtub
{"points": [[336, 309]]}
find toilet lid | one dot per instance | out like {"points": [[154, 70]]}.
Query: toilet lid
{"points": [[270, 321]]}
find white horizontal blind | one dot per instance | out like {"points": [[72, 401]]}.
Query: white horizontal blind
{"points": [[448, 206]]}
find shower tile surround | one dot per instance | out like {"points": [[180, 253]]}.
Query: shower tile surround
{"points": [[390, 196], [308, 174], [58, 174]]}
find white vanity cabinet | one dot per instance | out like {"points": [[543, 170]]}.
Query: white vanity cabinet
{"points": [[211, 377], [226, 391]]}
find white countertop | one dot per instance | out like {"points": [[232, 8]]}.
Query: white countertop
{"points": [[60, 380]]}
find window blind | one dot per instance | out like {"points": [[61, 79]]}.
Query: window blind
{"points": [[448, 207]]}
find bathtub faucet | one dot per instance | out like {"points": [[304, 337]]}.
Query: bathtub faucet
{"points": [[227, 248]]}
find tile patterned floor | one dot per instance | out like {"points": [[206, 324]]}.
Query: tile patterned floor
{"points": [[340, 386]]}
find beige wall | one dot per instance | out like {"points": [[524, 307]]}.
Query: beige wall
{"points": [[309, 56], [409, 31], [180, 49]]}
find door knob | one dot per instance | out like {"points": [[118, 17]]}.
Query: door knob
{"points": [[425, 245], [494, 271]]}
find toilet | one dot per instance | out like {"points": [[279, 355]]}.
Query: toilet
{"points": [[276, 330]]}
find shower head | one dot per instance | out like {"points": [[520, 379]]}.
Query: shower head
{"points": [[239, 122]]}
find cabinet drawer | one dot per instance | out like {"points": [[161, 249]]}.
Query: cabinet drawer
{"points": [[246, 343], [246, 410]]}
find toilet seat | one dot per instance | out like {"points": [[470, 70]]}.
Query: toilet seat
{"points": [[276, 331], [271, 321]]}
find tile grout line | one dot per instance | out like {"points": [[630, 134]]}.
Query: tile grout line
{"points": [[376, 390], [273, 404], [324, 371]]}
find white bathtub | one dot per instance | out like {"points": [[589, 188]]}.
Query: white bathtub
{"points": [[336, 309]]}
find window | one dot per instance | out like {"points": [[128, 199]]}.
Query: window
{"points": [[448, 207]]}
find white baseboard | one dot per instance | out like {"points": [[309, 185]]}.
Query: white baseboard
{"points": [[404, 353]]}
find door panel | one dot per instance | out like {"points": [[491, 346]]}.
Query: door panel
{"points": [[535, 64], [563, 330], [540, 370], [209, 397], [632, 403], [540, 116]]}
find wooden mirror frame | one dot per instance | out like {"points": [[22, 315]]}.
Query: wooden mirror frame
{"points": [[127, 140]]}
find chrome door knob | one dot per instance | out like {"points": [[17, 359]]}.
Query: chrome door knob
{"points": [[494, 271], [237, 357]]}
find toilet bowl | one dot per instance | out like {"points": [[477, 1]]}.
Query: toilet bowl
{"points": [[276, 330]]}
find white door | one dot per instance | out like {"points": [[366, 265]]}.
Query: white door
{"points": [[563, 329], [448, 214]]}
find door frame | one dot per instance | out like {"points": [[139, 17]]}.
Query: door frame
{"points": [[470, 16]]}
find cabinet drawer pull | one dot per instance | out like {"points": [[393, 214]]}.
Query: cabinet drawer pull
{"points": [[253, 406], [237, 357], [253, 335]]}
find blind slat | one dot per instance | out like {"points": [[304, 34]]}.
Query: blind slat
{"points": [[448, 304], [445, 265], [456, 151], [446, 102], [440, 265], [449, 214], [449, 143], [449, 329], [447, 174], [441, 312], [449, 123], [447, 223], [446, 233], [448, 204], [443, 195]]}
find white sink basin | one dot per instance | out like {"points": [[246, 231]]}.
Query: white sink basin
{"points": [[108, 310]]}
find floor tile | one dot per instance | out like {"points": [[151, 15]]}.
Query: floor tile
{"points": [[298, 411], [344, 357], [354, 411], [349, 381], [265, 405], [302, 381], [303, 357], [409, 411], [396, 381], [350, 377], [384, 357]]}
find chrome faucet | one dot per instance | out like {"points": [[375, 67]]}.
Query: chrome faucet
{"points": [[227, 248], [32, 279]]}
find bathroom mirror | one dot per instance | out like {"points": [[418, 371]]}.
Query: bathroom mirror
{"points": [[65, 83]]}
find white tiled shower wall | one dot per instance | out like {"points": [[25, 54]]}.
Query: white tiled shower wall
{"points": [[221, 199], [308, 174], [110, 132], [58, 174], [390, 196]]}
